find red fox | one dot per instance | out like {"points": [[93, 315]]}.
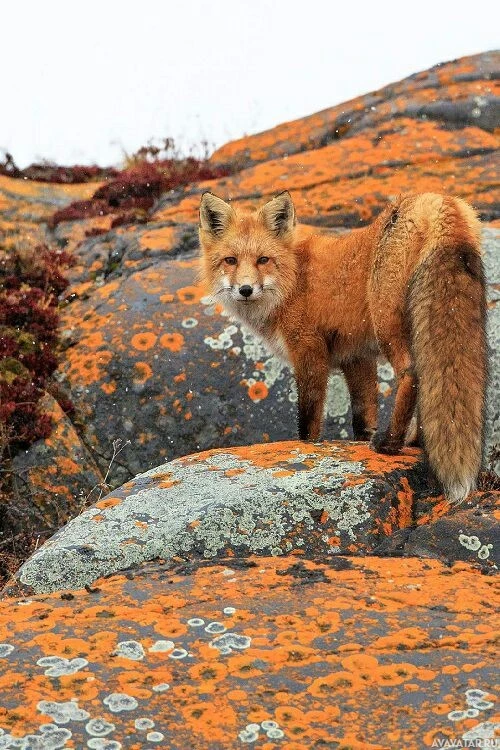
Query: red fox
{"points": [[409, 286]]}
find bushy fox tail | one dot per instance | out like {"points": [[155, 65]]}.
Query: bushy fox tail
{"points": [[447, 308]]}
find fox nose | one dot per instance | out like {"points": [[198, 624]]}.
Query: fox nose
{"points": [[246, 290]]}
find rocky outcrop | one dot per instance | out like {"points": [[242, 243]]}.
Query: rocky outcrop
{"points": [[270, 594], [466, 533], [292, 498], [431, 131], [347, 183], [148, 358], [455, 94], [370, 654]]}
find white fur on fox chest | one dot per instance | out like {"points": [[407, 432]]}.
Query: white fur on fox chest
{"points": [[255, 319], [277, 345]]}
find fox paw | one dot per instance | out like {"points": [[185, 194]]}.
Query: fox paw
{"points": [[363, 435], [417, 442], [384, 442]]}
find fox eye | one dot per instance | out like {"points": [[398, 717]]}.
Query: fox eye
{"points": [[231, 260], [263, 259]]}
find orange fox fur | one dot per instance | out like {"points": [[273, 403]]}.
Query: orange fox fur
{"points": [[410, 287]]}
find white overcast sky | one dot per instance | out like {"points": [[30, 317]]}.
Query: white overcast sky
{"points": [[84, 81]]}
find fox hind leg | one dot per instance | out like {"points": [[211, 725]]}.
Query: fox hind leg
{"points": [[361, 379], [392, 439], [414, 435]]}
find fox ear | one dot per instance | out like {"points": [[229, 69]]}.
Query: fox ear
{"points": [[215, 214], [279, 214]]}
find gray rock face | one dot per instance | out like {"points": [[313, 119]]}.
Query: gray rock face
{"points": [[318, 500], [492, 268], [53, 480]]}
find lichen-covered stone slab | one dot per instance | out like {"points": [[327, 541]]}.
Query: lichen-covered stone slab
{"points": [[309, 499], [349, 182], [25, 206], [367, 654], [471, 534]]}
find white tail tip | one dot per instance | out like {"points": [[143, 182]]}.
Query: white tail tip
{"points": [[457, 492]]}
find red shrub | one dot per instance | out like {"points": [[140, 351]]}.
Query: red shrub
{"points": [[19, 411], [46, 172], [67, 175], [29, 288], [135, 189], [135, 216], [79, 210], [131, 191]]}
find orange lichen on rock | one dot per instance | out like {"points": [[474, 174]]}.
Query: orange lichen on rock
{"points": [[89, 368], [337, 667], [258, 391], [281, 499], [261, 456], [408, 142], [143, 372], [356, 198], [108, 502], [157, 239], [108, 387], [143, 341], [172, 341], [190, 295], [454, 84]]}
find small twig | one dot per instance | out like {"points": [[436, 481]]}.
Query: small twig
{"points": [[103, 486], [117, 448]]}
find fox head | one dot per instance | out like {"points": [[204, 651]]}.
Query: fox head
{"points": [[248, 263]]}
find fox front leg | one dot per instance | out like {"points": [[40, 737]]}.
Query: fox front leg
{"points": [[311, 375], [361, 379]]}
